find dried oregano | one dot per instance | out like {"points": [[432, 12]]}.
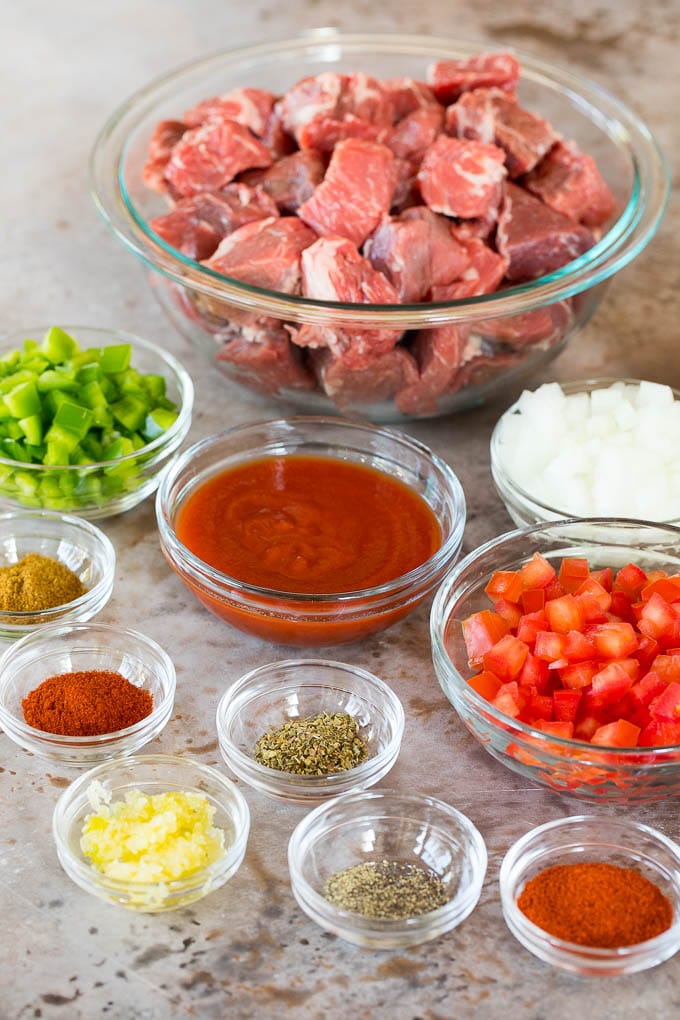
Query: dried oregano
{"points": [[317, 745]]}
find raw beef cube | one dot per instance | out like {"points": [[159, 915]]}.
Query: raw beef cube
{"points": [[490, 116], [333, 270], [438, 353], [322, 110], [415, 133], [401, 250], [449, 78], [406, 192], [249, 107], [545, 326], [536, 239], [208, 157], [461, 178], [197, 224], [379, 380], [569, 182], [355, 194], [483, 275], [275, 136], [448, 258], [409, 95], [479, 368], [265, 253], [163, 141], [291, 180], [265, 360]]}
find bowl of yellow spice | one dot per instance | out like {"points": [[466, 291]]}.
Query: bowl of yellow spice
{"points": [[54, 568], [152, 832], [303, 730]]}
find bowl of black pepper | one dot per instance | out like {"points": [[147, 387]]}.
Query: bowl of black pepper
{"points": [[385, 869], [54, 568], [304, 730]]}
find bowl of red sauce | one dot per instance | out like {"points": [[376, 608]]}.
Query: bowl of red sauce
{"points": [[310, 531]]}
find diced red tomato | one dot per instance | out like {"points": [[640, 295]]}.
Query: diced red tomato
{"points": [[509, 611], [573, 572], [507, 700], [649, 687], [533, 600], [556, 729], [537, 572], [667, 666], [540, 707], [609, 685], [535, 673], [659, 733], [578, 674], [667, 587], [616, 734], [614, 640], [666, 706], [565, 705], [505, 584], [554, 590], [657, 619], [549, 646], [605, 577], [630, 580], [506, 658], [648, 649], [586, 725], [578, 648], [530, 625], [486, 684], [481, 631], [594, 590], [565, 614], [622, 607]]}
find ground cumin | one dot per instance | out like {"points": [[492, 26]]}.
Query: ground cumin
{"points": [[86, 704], [37, 582], [596, 904]]}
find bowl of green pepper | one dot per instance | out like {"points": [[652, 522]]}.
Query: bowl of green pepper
{"points": [[88, 419]]}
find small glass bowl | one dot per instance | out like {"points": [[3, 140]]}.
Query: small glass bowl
{"points": [[523, 508], [108, 487], [377, 825], [267, 697], [76, 543], [67, 648], [579, 839], [573, 767], [152, 774], [292, 618]]}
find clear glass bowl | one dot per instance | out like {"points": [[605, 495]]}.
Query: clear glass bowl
{"points": [[79, 545], [573, 767], [523, 508], [269, 696], [293, 618], [108, 487], [377, 825], [69, 648], [152, 774], [575, 840], [508, 334]]}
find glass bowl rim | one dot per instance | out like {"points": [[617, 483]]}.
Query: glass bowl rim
{"points": [[459, 906], [439, 617], [172, 435], [236, 697], [238, 812], [44, 737], [621, 243], [513, 860], [105, 551], [504, 480], [218, 580]]}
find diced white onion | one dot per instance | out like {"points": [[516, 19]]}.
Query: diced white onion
{"points": [[614, 452]]}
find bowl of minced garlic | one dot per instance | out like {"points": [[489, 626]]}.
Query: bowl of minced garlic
{"points": [[151, 832], [53, 568]]}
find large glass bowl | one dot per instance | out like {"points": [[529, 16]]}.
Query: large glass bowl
{"points": [[572, 767], [506, 334]]}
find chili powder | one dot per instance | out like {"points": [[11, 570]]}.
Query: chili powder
{"points": [[88, 703], [596, 904]]}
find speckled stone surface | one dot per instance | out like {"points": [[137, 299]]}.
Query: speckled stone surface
{"points": [[247, 951]]}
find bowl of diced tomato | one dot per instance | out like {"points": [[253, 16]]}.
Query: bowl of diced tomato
{"points": [[559, 647], [392, 225]]}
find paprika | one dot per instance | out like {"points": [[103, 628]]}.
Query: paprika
{"points": [[88, 703], [594, 903]]}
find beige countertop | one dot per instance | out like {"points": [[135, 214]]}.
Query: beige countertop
{"points": [[247, 950]]}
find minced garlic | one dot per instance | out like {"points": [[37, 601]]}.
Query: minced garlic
{"points": [[157, 838]]}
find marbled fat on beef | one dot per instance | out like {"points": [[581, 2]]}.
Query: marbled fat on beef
{"points": [[534, 238], [450, 78], [408, 94], [355, 194], [323, 110], [461, 178], [208, 157], [388, 373], [569, 182], [265, 253], [265, 360], [250, 107], [161, 144]]}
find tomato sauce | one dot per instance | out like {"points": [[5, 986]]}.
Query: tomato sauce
{"points": [[308, 525]]}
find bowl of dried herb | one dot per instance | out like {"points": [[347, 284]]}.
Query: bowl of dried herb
{"points": [[385, 869], [303, 730], [54, 568]]}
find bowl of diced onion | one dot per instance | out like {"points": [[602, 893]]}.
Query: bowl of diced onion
{"points": [[89, 417], [557, 646], [590, 448]]}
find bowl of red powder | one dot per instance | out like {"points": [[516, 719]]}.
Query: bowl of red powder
{"points": [[80, 694], [310, 531], [596, 896]]}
